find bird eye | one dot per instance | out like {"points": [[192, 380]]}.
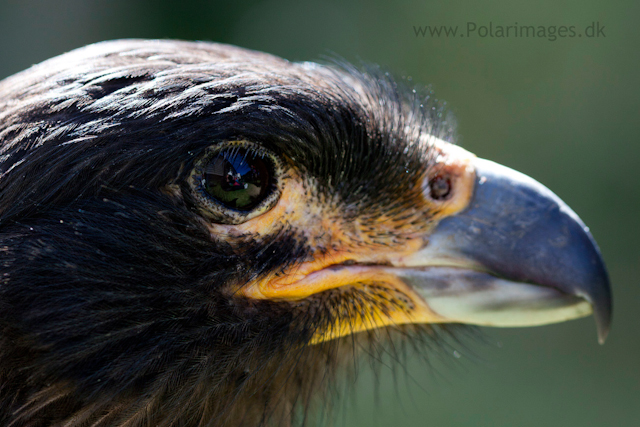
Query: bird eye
{"points": [[236, 181], [439, 187]]}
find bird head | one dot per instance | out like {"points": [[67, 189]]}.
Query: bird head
{"points": [[195, 234]]}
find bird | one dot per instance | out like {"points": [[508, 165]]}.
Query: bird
{"points": [[198, 234]]}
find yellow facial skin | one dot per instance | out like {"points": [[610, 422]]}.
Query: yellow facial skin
{"points": [[348, 253]]}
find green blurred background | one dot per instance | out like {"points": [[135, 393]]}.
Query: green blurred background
{"points": [[566, 112]]}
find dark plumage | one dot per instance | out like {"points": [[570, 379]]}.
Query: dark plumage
{"points": [[121, 301]]}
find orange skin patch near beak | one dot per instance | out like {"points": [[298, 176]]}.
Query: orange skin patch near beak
{"points": [[351, 257], [312, 277], [457, 165]]}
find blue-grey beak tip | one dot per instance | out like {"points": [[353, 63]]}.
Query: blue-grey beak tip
{"points": [[518, 230], [550, 245]]}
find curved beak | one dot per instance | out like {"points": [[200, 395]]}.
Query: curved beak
{"points": [[505, 251], [516, 256]]}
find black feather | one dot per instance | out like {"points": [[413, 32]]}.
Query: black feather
{"points": [[112, 310]]}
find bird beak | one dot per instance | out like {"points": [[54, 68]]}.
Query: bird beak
{"points": [[517, 255], [504, 251]]}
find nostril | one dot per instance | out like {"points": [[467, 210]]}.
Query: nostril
{"points": [[439, 187]]}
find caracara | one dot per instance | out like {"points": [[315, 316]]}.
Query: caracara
{"points": [[195, 234]]}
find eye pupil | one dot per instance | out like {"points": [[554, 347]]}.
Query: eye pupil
{"points": [[237, 178], [440, 188]]}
